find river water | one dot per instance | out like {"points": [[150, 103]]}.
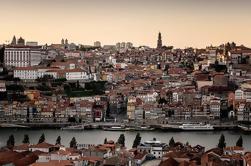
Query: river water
{"points": [[209, 139]]}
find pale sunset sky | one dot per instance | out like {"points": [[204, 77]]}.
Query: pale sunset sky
{"points": [[183, 23]]}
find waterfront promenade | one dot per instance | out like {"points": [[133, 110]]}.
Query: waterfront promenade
{"points": [[101, 125]]}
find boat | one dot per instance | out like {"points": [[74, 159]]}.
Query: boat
{"points": [[9, 125], [196, 127], [144, 128], [116, 128], [133, 128], [245, 128], [77, 127]]}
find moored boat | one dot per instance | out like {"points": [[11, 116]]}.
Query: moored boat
{"points": [[77, 127], [144, 128], [196, 127], [116, 128]]}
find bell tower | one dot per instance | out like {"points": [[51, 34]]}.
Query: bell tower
{"points": [[159, 42]]}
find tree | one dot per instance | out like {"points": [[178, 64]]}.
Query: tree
{"points": [[73, 143], [171, 142], [11, 141], [54, 116], [77, 85], [239, 142], [136, 141], [233, 45], [26, 139], [187, 143], [121, 140], [105, 141], [162, 101], [45, 78], [67, 88], [222, 142], [58, 141], [108, 110], [41, 139]]}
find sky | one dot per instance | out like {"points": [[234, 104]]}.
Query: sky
{"points": [[183, 23]]}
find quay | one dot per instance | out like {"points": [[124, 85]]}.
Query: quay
{"points": [[105, 125], [8, 125]]}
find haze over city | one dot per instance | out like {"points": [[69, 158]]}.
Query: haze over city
{"points": [[183, 23], [125, 83]]}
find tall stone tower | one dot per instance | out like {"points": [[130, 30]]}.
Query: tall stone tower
{"points": [[14, 41], [66, 42], [159, 42]]}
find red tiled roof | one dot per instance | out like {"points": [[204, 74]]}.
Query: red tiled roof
{"points": [[169, 162], [55, 163], [92, 158], [11, 156], [22, 147], [139, 156], [42, 145], [232, 148], [27, 160]]}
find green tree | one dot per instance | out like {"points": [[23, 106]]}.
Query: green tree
{"points": [[162, 101], [11, 141], [222, 142], [136, 141], [171, 142], [121, 140], [73, 143], [105, 141], [239, 142], [26, 139], [41, 139], [45, 78], [233, 45], [187, 143], [108, 110], [58, 141]]}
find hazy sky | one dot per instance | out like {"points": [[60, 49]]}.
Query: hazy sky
{"points": [[182, 22]]}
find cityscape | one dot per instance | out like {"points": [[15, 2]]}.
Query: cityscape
{"points": [[127, 100]]}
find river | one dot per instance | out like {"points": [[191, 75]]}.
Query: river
{"points": [[209, 139]]}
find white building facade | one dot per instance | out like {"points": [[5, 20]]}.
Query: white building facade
{"points": [[32, 73], [22, 56], [76, 74]]}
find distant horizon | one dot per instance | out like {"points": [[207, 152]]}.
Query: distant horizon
{"points": [[183, 23], [103, 44]]}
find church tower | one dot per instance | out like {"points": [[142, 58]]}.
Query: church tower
{"points": [[159, 42], [14, 41]]}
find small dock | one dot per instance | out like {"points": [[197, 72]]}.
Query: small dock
{"points": [[225, 127], [170, 127]]}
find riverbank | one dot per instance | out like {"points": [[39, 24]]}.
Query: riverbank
{"points": [[119, 126]]}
